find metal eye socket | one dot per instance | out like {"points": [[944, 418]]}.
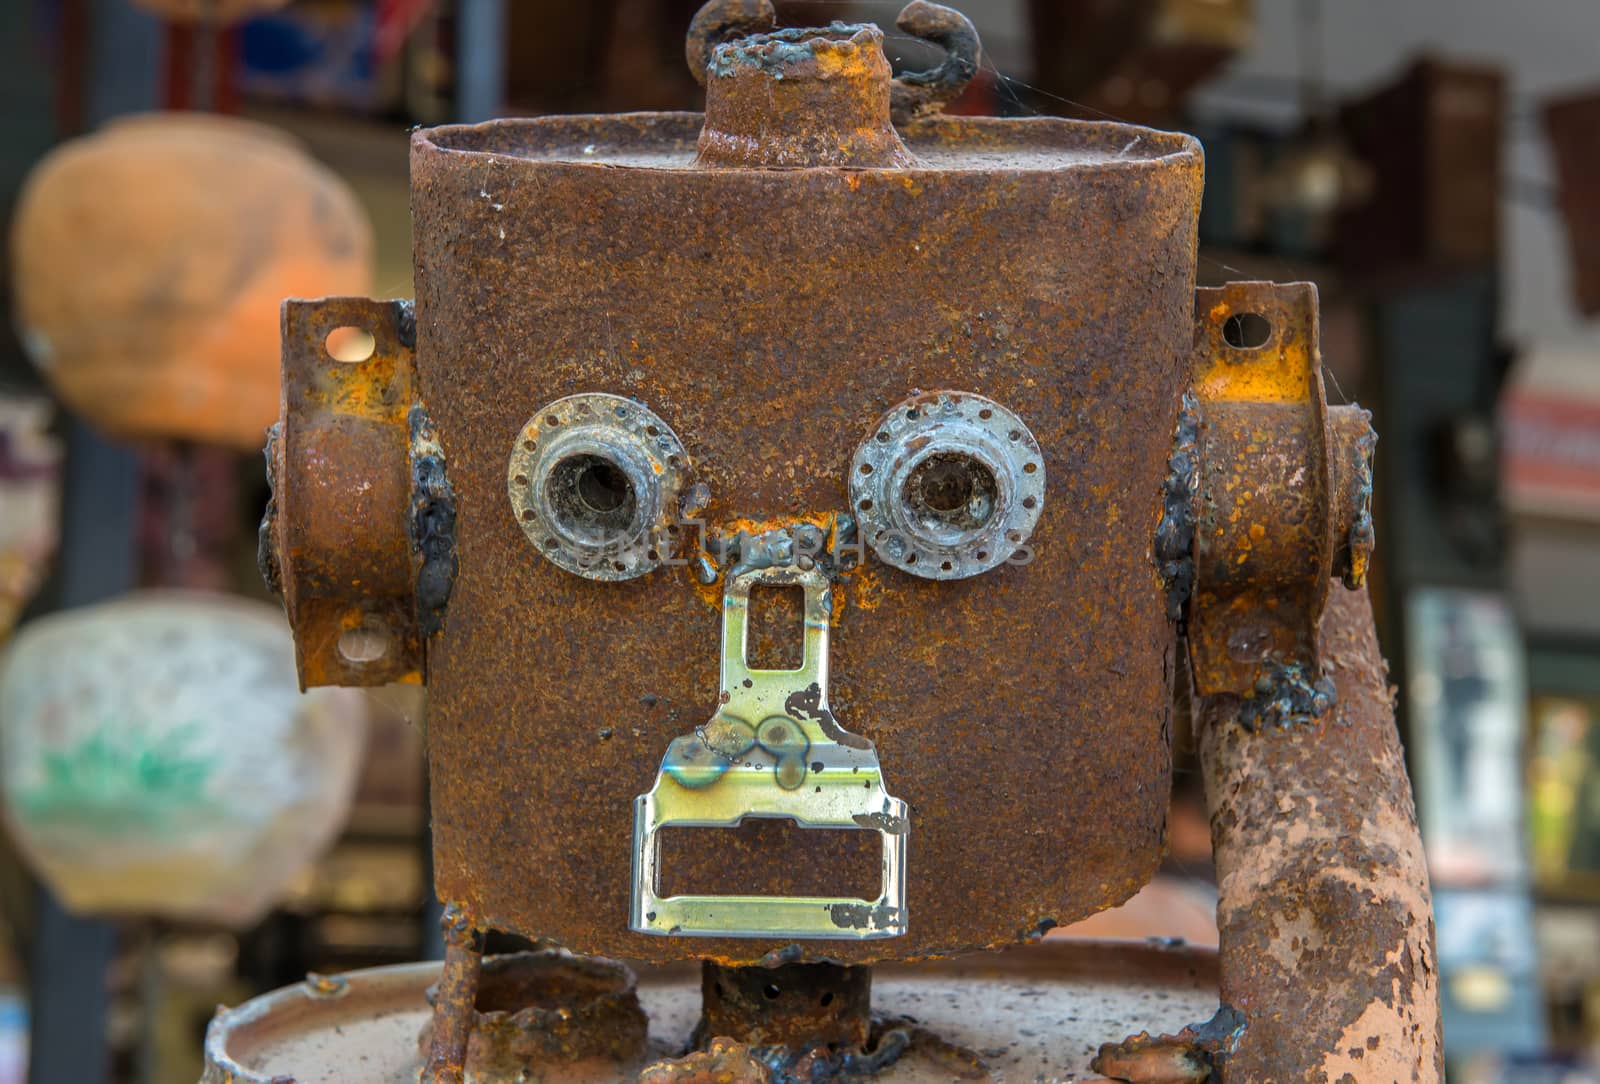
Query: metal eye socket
{"points": [[947, 485], [593, 481]]}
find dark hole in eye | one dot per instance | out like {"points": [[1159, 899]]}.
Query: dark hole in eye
{"points": [[771, 991], [592, 494], [1246, 331], [951, 489], [602, 486]]}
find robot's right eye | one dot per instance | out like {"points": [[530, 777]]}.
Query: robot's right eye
{"points": [[948, 485]]}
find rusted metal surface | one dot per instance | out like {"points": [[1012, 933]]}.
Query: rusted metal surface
{"points": [[1352, 442], [787, 1005], [800, 97], [921, 94], [454, 1001], [911, 95], [1196, 1055], [722, 1062], [336, 540], [748, 298], [720, 21], [1262, 528], [1282, 500], [1326, 925], [1039, 1011], [771, 317], [538, 1012]]}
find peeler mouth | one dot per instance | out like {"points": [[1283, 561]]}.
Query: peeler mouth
{"points": [[772, 751]]}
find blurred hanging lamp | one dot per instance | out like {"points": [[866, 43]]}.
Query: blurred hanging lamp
{"points": [[1317, 173], [150, 260]]}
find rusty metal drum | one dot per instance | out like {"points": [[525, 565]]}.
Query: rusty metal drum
{"points": [[1041, 1012], [774, 319]]}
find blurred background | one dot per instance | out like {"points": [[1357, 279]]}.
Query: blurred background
{"points": [[185, 829]]}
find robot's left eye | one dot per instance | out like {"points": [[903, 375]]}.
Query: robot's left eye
{"points": [[947, 485], [594, 481]]}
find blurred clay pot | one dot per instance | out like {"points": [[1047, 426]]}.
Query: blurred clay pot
{"points": [[151, 259], [157, 757]]}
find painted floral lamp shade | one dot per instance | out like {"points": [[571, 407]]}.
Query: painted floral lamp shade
{"points": [[158, 758]]}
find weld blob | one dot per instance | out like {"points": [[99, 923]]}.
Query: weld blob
{"points": [[1285, 695], [1174, 543], [780, 50], [813, 1064], [433, 523], [266, 541], [1361, 539]]}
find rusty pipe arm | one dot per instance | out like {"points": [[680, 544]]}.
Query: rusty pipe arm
{"points": [[1327, 943]]}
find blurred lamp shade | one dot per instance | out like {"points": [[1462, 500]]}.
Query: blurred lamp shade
{"points": [[157, 757], [150, 262]]}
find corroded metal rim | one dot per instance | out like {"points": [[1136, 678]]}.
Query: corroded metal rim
{"points": [[327, 1020], [667, 141]]}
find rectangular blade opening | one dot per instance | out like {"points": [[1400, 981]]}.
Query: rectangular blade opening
{"points": [[764, 857]]}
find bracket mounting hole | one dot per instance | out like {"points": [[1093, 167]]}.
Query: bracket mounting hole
{"points": [[1247, 331], [351, 345]]}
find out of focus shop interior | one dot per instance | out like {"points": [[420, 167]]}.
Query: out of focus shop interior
{"points": [[184, 828]]}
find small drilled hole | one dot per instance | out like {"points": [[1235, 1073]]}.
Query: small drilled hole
{"points": [[866, 468], [1030, 468], [865, 505], [522, 479], [1247, 331], [912, 415], [530, 445], [1015, 434], [1028, 502], [985, 413], [651, 430], [362, 645], [528, 513], [946, 566], [883, 438], [351, 345], [552, 420], [911, 558], [982, 555]]}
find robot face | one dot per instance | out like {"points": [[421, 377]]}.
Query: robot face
{"points": [[637, 390], [944, 486]]}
